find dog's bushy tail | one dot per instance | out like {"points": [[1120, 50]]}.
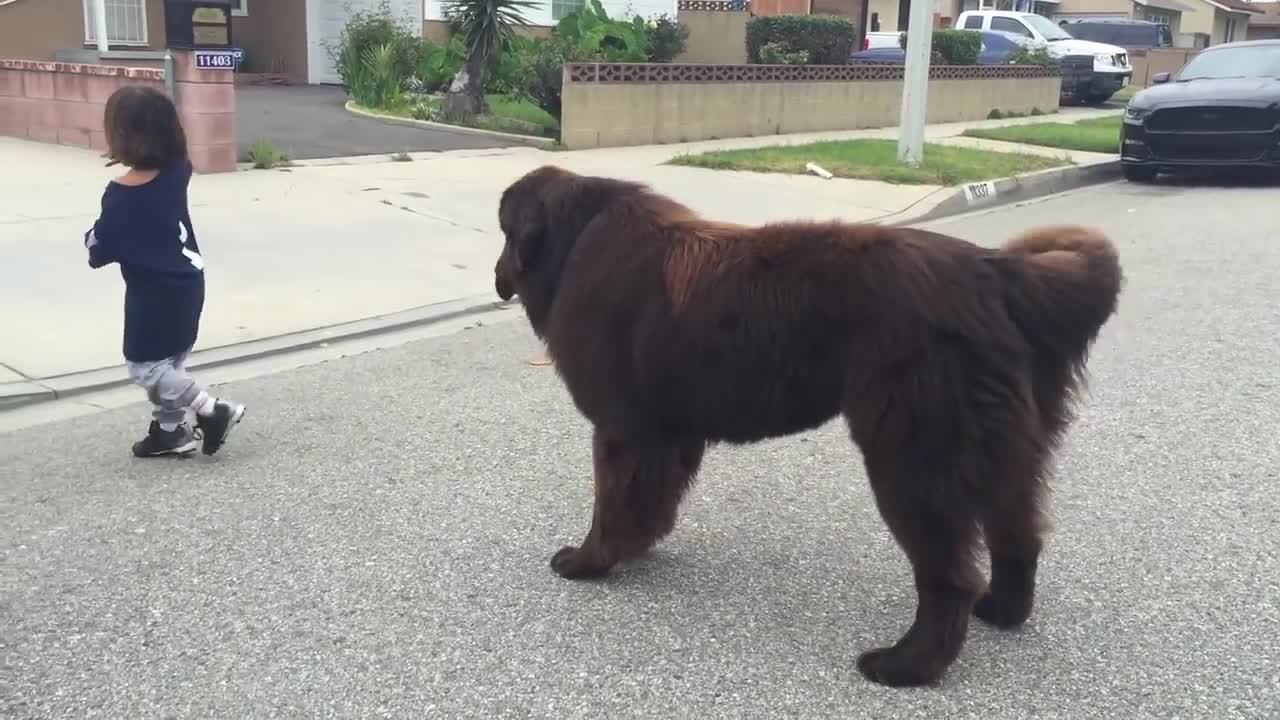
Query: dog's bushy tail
{"points": [[1062, 284]]}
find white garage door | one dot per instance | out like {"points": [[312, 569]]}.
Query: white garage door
{"points": [[325, 20]]}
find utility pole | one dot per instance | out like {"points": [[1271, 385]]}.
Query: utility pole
{"points": [[100, 25], [915, 83]]}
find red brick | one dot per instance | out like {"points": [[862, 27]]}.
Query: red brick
{"points": [[71, 136], [11, 83], [79, 116], [213, 158], [206, 97], [14, 116], [42, 133], [210, 129], [71, 86], [36, 84]]}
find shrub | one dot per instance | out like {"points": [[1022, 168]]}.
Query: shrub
{"points": [[539, 66], [438, 64], [666, 39], [953, 47], [776, 54], [590, 30], [376, 28], [376, 81], [826, 38], [1038, 55]]}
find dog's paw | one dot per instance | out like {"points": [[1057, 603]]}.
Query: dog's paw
{"points": [[895, 668], [1002, 611], [572, 563]]}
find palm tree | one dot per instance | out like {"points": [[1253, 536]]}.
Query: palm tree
{"points": [[486, 26]]}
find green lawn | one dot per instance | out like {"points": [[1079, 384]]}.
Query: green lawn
{"points": [[1100, 135], [505, 114], [875, 160]]}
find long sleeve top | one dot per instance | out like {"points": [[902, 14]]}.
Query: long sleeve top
{"points": [[146, 229]]}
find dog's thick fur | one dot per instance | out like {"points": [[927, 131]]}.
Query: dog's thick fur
{"points": [[953, 364]]}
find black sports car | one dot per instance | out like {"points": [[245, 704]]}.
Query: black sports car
{"points": [[1222, 109]]}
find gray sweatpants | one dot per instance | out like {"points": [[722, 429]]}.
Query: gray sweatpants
{"points": [[168, 386]]}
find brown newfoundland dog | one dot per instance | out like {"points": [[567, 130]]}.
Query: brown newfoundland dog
{"points": [[954, 366]]}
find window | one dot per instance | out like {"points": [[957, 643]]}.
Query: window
{"points": [[560, 8], [973, 22], [1258, 61], [1231, 30], [126, 22], [1009, 25], [240, 8]]}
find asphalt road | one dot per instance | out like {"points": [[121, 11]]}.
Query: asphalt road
{"points": [[374, 540], [309, 121]]}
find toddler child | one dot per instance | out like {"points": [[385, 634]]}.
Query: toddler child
{"points": [[145, 227]]}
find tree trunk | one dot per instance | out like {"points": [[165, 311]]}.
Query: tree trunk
{"points": [[466, 93]]}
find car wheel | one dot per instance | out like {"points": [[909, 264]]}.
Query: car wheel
{"points": [[1139, 173]]}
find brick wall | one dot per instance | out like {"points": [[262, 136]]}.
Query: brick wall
{"points": [[63, 103]]}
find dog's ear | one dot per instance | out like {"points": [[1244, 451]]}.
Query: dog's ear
{"points": [[530, 235]]}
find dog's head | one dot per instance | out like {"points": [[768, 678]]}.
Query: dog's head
{"points": [[541, 216]]}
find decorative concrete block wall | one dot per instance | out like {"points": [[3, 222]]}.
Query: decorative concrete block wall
{"points": [[63, 103], [619, 104]]}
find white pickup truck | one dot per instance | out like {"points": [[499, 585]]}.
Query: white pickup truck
{"points": [[1111, 68]]}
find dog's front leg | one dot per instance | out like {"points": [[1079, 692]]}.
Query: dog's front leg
{"points": [[638, 488]]}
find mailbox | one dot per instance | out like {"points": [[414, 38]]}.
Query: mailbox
{"points": [[198, 24]]}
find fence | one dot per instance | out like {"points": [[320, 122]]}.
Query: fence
{"points": [[638, 104], [63, 103]]}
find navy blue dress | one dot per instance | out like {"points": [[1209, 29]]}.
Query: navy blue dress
{"points": [[147, 230]]}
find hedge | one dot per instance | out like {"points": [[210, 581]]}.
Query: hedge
{"points": [[953, 47], [827, 39]]}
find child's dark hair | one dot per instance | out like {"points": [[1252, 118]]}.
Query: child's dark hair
{"points": [[143, 130]]}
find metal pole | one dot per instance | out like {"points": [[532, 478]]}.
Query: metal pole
{"points": [[100, 25], [168, 75], [915, 83]]}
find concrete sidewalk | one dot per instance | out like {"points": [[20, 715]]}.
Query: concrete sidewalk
{"points": [[326, 243]]}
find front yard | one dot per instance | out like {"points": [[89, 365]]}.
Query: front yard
{"points": [[506, 114], [876, 160], [1099, 135]]}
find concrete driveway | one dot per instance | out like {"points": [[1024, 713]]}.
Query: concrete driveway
{"points": [[309, 121]]}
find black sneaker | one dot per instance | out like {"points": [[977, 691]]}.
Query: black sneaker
{"points": [[217, 426], [179, 441]]}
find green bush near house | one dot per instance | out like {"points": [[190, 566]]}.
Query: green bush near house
{"points": [[826, 38], [953, 47]]}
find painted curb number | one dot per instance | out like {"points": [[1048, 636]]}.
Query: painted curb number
{"points": [[979, 192]]}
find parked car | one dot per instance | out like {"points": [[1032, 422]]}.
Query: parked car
{"points": [[1111, 67], [875, 40], [1124, 32], [996, 46], [1222, 109]]}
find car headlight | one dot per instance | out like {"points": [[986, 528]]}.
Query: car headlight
{"points": [[1105, 59], [1135, 114]]}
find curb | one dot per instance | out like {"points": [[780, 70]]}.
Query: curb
{"points": [[24, 393], [409, 122], [994, 193]]}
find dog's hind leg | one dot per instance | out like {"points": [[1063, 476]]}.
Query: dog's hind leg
{"points": [[939, 539], [638, 488], [1013, 526]]}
